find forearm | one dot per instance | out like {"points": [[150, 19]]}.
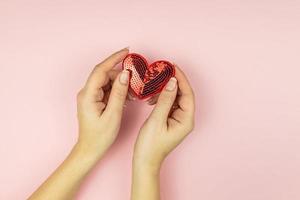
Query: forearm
{"points": [[66, 179], [145, 182]]}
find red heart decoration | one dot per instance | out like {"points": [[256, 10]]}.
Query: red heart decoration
{"points": [[147, 80]]}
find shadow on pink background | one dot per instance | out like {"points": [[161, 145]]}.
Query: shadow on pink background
{"points": [[242, 58]]}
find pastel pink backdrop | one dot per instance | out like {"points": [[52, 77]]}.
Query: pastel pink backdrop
{"points": [[242, 58]]}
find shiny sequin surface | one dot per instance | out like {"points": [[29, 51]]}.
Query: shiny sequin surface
{"points": [[147, 80]]}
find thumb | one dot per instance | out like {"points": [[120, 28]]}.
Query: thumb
{"points": [[165, 101], [118, 94]]}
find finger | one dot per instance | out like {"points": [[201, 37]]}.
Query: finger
{"points": [[107, 87], [186, 99], [113, 75], [184, 113], [113, 60], [98, 76], [118, 94], [99, 95], [165, 101]]}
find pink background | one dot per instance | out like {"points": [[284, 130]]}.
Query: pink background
{"points": [[242, 58]]}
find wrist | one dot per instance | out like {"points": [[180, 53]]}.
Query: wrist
{"points": [[88, 152], [145, 180], [146, 167]]}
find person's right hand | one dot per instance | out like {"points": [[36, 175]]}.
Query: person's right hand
{"points": [[100, 104], [169, 123]]}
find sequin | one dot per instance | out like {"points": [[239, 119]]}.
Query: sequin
{"points": [[147, 80]]}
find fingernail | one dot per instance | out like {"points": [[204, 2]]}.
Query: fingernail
{"points": [[171, 84], [124, 77], [126, 48]]}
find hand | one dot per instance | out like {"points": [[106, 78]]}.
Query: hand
{"points": [[100, 104], [169, 123]]}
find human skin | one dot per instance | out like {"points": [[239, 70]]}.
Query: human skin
{"points": [[100, 102], [171, 120]]}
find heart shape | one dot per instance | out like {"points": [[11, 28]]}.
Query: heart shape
{"points": [[147, 80]]}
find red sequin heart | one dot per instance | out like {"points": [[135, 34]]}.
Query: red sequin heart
{"points": [[147, 80]]}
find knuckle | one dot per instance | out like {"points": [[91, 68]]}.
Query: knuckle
{"points": [[192, 92], [191, 126], [98, 66], [80, 95], [99, 69], [101, 65]]}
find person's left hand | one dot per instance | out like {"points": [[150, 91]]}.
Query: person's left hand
{"points": [[171, 120], [100, 104]]}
